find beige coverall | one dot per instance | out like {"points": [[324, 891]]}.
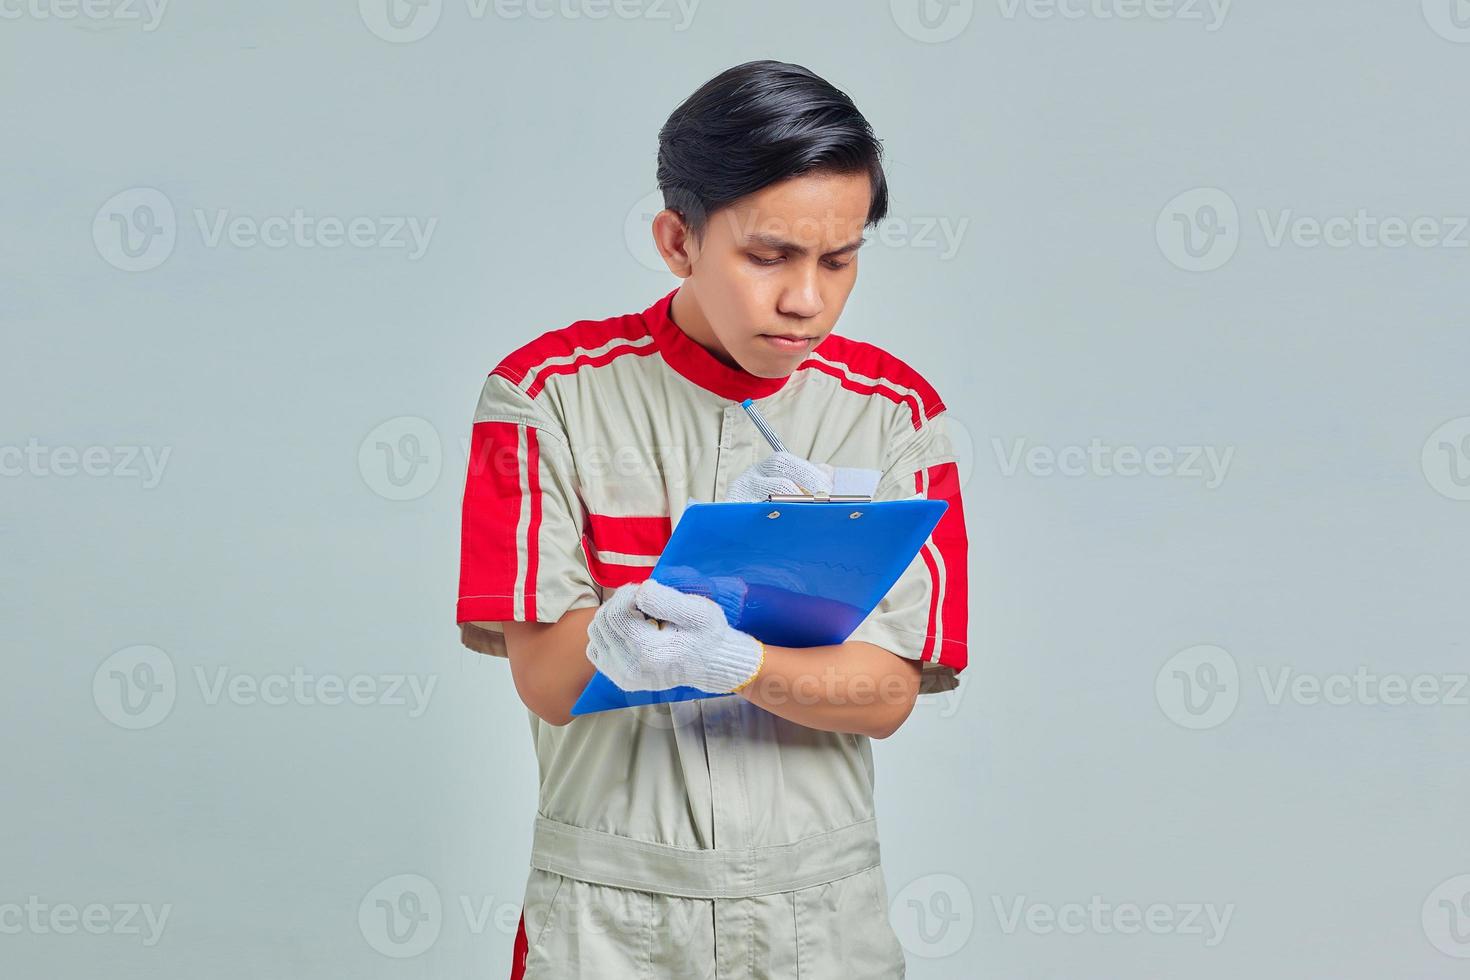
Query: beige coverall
{"points": [[704, 838]]}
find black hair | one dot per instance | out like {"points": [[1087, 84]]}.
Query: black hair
{"points": [[756, 124]]}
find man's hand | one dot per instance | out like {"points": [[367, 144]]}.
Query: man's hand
{"points": [[780, 473], [693, 645], [729, 591]]}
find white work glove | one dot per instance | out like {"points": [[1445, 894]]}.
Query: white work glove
{"points": [[780, 473], [694, 646], [729, 591]]}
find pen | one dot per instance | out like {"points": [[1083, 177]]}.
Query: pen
{"points": [[765, 430], [760, 423], [771, 437]]}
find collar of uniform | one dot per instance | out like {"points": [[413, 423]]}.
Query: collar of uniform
{"points": [[692, 361]]}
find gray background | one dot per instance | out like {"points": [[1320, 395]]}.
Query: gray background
{"points": [[1069, 310]]}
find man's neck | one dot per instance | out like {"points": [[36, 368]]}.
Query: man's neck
{"points": [[684, 311]]}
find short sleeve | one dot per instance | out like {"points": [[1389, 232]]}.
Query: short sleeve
{"points": [[521, 556], [925, 616]]}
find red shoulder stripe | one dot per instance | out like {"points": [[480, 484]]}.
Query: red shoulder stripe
{"points": [[565, 342], [905, 385]]}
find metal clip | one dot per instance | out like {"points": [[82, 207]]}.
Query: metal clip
{"points": [[820, 497]]}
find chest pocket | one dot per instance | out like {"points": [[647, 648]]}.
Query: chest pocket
{"points": [[624, 549]]}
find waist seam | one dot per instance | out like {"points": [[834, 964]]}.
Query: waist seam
{"points": [[600, 857]]}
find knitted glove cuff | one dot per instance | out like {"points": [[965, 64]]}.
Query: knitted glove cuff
{"points": [[732, 662], [755, 673]]}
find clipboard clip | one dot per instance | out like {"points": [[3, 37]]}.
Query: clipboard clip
{"points": [[820, 497]]}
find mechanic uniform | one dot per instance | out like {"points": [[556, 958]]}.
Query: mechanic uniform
{"points": [[708, 838]]}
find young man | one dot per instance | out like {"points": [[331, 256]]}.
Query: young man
{"points": [[725, 837]]}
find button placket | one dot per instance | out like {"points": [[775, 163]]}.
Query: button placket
{"points": [[720, 717], [724, 464]]}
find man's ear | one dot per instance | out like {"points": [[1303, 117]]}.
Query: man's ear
{"points": [[675, 242]]}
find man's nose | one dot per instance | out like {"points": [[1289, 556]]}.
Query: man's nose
{"points": [[802, 297]]}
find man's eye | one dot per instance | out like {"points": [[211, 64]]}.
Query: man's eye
{"points": [[760, 261], [839, 266]]}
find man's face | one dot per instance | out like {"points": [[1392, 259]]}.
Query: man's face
{"points": [[779, 262]]}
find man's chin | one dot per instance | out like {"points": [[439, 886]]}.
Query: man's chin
{"points": [[772, 367]]}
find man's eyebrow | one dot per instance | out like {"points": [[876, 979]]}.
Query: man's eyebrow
{"points": [[782, 245]]}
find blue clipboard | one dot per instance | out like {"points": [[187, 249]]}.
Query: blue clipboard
{"points": [[794, 571]]}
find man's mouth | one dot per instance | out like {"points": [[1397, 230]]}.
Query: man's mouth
{"points": [[789, 342]]}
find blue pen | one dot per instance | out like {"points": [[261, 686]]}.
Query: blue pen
{"points": [[760, 423]]}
